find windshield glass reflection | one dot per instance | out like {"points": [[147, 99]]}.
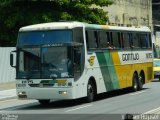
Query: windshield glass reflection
{"points": [[45, 62], [29, 63], [56, 62]]}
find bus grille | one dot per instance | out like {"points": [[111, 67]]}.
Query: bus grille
{"points": [[41, 85]]}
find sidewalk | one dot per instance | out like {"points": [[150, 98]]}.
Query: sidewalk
{"points": [[7, 91], [7, 86]]}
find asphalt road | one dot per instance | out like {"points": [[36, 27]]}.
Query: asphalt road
{"points": [[108, 106]]}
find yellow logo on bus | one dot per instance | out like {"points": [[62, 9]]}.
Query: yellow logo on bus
{"points": [[91, 60]]}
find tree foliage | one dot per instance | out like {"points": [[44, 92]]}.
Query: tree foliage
{"points": [[15, 14]]}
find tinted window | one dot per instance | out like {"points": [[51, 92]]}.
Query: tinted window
{"points": [[135, 40], [150, 41], [116, 40], [145, 41], [92, 39], [78, 35], [126, 40], [44, 37], [103, 39]]}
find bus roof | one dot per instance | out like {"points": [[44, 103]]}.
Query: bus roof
{"points": [[74, 24]]}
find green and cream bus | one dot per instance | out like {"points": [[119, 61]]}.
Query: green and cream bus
{"points": [[70, 60]]}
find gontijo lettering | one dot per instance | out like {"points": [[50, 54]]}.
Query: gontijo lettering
{"points": [[130, 56]]}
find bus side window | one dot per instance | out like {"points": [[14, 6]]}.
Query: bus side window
{"points": [[126, 40], [87, 41], [130, 39], [116, 41], [150, 40], [102, 39], [111, 39], [108, 37], [92, 39], [120, 39], [78, 35], [144, 40], [96, 42], [135, 40]]}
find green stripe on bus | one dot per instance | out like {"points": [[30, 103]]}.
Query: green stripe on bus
{"points": [[108, 70], [112, 71]]}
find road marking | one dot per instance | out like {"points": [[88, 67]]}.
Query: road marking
{"points": [[152, 111], [78, 108], [137, 93]]}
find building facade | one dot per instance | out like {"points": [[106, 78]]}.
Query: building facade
{"points": [[130, 12]]}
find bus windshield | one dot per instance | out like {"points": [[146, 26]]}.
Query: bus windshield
{"points": [[44, 37], [45, 62], [48, 54]]}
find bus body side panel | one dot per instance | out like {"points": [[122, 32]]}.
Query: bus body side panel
{"points": [[126, 63], [111, 71], [117, 72]]}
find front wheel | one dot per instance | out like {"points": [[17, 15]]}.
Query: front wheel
{"points": [[90, 92]]}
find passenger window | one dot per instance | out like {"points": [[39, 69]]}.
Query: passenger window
{"points": [[150, 41], [116, 40], [135, 40], [145, 41], [126, 40], [96, 43], [92, 39], [103, 39], [78, 35]]}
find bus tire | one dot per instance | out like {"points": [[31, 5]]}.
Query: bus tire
{"points": [[140, 81], [90, 92], [44, 102], [134, 82]]}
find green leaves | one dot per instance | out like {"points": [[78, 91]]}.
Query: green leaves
{"points": [[15, 14]]}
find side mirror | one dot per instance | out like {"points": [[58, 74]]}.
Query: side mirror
{"points": [[12, 59]]}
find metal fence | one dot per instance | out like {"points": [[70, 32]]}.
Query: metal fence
{"points": [[7, 73]]}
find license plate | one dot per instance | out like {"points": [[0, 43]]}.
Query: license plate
{"points": [[21, 85]]}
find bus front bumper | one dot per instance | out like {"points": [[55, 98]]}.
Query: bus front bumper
{"points": [[45, 93]]}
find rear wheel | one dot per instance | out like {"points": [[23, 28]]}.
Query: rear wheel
{"points": [[44, 102], [90, 92], [135, 82], [140, 81]]}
